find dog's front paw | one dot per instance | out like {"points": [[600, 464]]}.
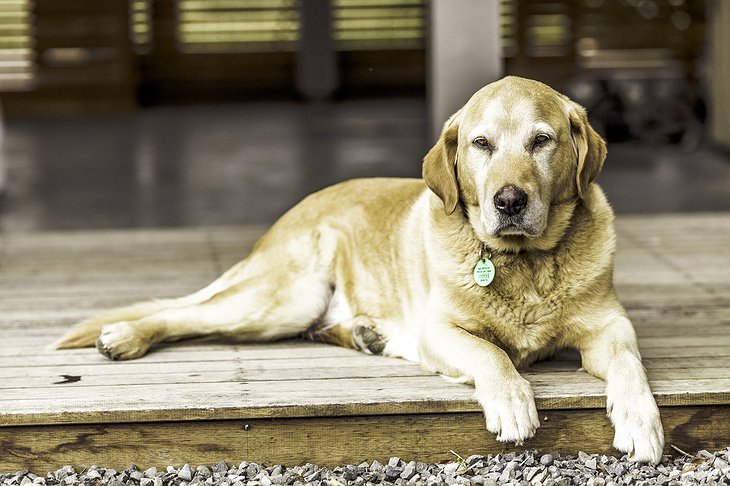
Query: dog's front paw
{"points": [[122, 341], [509, 409], [639, 431]]}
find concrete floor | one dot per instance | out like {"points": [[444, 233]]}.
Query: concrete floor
{"points": [[238, 164]]}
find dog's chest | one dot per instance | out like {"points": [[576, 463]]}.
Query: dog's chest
{"points": [[523, 310]]}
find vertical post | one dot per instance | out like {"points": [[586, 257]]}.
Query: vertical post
{"points": [[316, 69], [465, 54], [718, 17]]}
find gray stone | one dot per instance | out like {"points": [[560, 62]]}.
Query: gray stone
{"points": [[93, 473], [591, 463], [539, 477], [220, 468], [252, 470], [392, 472], [421, 467], [314, 476], [185, 473], [473, 459], [416, 479], [394, 461], [451, 467], [408, 471], [546, 459], [493, 475], [136, 475], [350, 473], [376, 466]]}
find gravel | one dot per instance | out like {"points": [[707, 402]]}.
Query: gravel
{"points": [[524, 469]]}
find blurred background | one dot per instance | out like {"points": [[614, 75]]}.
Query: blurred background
{"points": [[134, 113]]}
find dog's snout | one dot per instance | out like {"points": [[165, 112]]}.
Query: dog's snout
{"points": [[510, 200]]}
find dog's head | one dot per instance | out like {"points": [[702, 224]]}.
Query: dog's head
{"points": [[518, 155]]}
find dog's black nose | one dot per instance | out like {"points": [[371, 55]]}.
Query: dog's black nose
{"points": [[510, 200]]}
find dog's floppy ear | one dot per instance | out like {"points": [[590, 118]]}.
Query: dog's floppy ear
{"points": [[589, 146], [439, 165]]}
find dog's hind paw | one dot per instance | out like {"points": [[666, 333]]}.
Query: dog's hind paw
{"points": [[122, 341], [367, 339]]}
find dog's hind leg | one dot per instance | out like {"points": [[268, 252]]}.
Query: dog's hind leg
{"points": [[85, 333], [259, 308]]}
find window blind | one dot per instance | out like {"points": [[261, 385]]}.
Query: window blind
{"points": [[228, 26], [17, 63], [140, 25], [508, 27], [378, 24]]}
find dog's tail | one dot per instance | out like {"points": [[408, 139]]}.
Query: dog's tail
{"points": [[85, 333]]}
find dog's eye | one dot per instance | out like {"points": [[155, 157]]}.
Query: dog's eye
{"points": [[541, 139], [483, 143]]}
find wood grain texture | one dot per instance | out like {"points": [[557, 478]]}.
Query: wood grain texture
{"points": [[331, 441], [188, 402]]}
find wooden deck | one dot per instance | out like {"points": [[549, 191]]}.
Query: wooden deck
{"points": [[292, 402]]}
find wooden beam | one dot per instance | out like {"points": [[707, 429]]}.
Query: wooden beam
{"points": [[331, 441]]}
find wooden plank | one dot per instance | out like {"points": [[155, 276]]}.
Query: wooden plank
{"points": [[311, 392], [134, 369], [720, 362], [417, 394], [332, 441], [285, 370], [686, 340], [216, 352]]}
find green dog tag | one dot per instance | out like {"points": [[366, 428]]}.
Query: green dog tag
{"points": [[484, 272]]}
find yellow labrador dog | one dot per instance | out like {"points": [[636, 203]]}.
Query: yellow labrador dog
{"points": [[503, 256]]}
